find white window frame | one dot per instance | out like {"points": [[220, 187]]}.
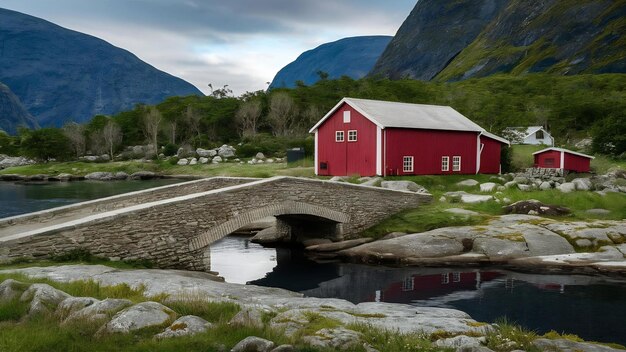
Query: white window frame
{"points": [[445, 163], [408, 284], [456, 277], [352, 133], [346, 116], [405, 160], [445, 278], [340, 136], [456, 166]]}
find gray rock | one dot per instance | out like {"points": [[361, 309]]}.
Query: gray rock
{"points": [[104, 157], [488, 187], [100, 176], [567, 187], [140, 316], [100, 309], [565, 345], [193, 161], [269, 235], [337, 339], [11, 289], [536, 207], [226, 151], [524, 188], [394, 235], [182, 162], [598, 211], [582, 184], [121, 175], [253, 344], [337, 246], [409, 186], [510, 184], [10, 161], [269, 161], [442, 199], [43, 298], [338, 179], [187, 325], [205, 153], [468, 197], [372, 181], [583, 242], [284, 348], [90, 158], [248, 317], [217, 159], [64, 177], [259, 156], [459, 211], [144, 175], [468, 183], [545, 186], [203, 160], [74, 304], [459, 341], [521, 180], [500, 249]]}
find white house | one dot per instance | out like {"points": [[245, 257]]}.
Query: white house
{"points": [[528, 135]]}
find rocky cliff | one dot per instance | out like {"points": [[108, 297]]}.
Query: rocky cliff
{"points": [[352, 57], [60, 75], [12, 112], [460, 39]]}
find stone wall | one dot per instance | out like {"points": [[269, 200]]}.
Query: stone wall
{"points": [[175, 233], [543, 173]]}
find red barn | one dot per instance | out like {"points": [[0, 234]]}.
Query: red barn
{"points": [[370, 137], [559, 158]]}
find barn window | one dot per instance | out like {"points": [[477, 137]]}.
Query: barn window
{"points": [[339, 136], [539, 134], [445, 278], [407, 164], [445, 163], [408, 284], [352, 136], [456, 277], [346, 117], [456, 163]]}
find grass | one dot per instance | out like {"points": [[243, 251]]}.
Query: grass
{"points": [[77, 256], [385, 340]]}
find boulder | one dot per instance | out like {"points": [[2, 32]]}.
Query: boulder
{"points": [[459, 341], [43, 298], [12, 177], [284, 348], [90, 158], [144, 175], [567, 187], [217, 160], [187, 325], [524, 188], [582, 184], [140, 316], [193, 161], [488, 187], [248, 317], [100, 176], [259, 156], [182, 162], [203, 160], [545, 185], [100, 309], [510, 184], [566, 345], [253, 344], [337, 246], [539, 208], [468, 183], [268, 235], [104, 157], [338, 339], [394, 235], [226, 151], [371, 181], [338, 179], [120, 176], [468, 197], [11, 161], [521, 180], [205, 153], [74, 304], [459, 211], [11, 289], [409, 186]]}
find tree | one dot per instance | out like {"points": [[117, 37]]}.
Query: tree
{"points": [[609, 136], [8, 144], [45, 144], [280, 117], [112, 134], [151, 121], [76, 134], [247, 117], [193, 119]]}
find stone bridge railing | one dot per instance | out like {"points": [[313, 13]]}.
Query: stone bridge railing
{"points": [[176, 232]]}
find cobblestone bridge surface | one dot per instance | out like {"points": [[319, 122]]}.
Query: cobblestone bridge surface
{"points": [[173, 226]]}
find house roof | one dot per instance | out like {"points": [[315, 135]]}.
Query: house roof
{"points": [[387, 114], [497, 138], [565, 151], [525, 131]]}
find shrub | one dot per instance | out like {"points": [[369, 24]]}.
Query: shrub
{"points": [[170, 149]]}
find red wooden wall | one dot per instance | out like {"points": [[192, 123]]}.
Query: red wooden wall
{"points": [[577, 163], [347, 158], [490, 156], [540, 159], [427, 147]]}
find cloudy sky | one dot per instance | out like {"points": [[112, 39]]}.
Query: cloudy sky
{"points": [[242, 43]]}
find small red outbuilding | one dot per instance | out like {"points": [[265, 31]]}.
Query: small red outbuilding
{"points": [[559, 158], [371, 137]]}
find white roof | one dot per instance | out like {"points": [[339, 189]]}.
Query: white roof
{"points": [[526, 131], [497, 138], [565, 151], [403, 115]]}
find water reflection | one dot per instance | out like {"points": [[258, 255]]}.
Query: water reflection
{"points": [[591, 307]]}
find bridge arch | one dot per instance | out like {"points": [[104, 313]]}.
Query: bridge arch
{"points": [[278, 209]]}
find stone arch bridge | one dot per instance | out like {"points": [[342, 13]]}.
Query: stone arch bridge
{"points": [[173, 226]]}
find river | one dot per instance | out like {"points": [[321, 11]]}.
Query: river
{"points": [[591, 307]]}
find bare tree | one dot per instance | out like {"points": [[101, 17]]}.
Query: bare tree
{"points": [[97, 144], [247, 117], [280, 117], [310, 116], [193, 119], [76, 134], [151, 121], [112, 134]]}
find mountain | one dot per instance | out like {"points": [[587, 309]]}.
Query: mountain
{"points": [[12, 112], [459, 39], [61, 75], [353, 57]]}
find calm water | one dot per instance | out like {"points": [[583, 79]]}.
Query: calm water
{"points": [[24, 198], [593, 308]]}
